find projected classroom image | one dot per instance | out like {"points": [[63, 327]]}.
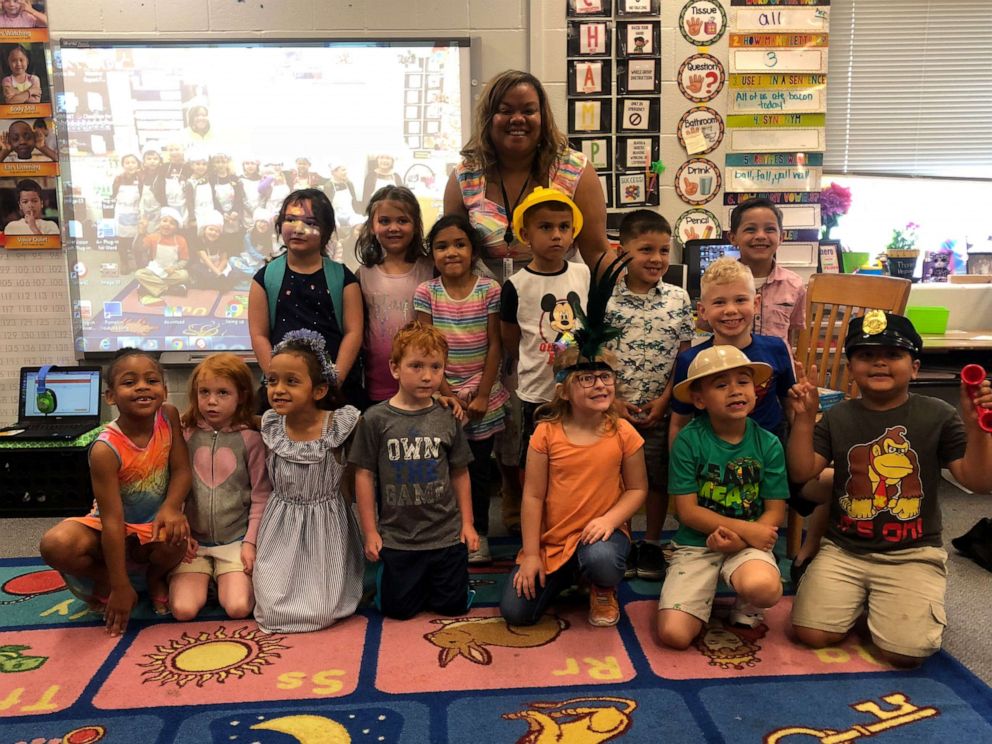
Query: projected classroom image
{"points": [[179, 157]]}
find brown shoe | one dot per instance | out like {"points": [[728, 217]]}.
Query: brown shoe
{"points": [[604, 610]]}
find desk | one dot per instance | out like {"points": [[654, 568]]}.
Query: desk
{"points": [[46, 479], [958, 341]]}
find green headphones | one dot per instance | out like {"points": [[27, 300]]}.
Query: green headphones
{"points": [[44, 398]]}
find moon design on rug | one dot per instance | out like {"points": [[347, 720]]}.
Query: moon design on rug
{"points": [[216, 656], [308, 729]]}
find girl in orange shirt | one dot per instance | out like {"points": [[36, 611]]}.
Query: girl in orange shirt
{"points": [[585, 478]]}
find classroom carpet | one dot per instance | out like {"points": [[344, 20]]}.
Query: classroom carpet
{"points": [[468, 679]]}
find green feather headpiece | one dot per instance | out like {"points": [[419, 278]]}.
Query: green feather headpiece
{"points": [[595, 332]]}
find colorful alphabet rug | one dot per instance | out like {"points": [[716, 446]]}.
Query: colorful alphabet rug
{"points": [[467, 679]]}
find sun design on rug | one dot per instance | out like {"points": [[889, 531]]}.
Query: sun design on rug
{"points": [[214, 656]]}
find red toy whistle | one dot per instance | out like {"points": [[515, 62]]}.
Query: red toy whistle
{"points": [[973, 375]]}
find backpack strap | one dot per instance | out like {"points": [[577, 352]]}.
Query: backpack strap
{"points": [[275, 272]]}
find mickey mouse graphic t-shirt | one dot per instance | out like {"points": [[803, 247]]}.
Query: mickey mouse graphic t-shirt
{"points": [[543, 305]]}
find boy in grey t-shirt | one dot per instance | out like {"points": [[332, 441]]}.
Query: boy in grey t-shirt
{"points": [[418, 454]]}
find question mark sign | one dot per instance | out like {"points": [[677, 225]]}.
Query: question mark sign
{"points": [[711, 80]]}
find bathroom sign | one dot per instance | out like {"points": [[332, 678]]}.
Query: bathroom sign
{"points": [[702, 22], [701, 78], [698, 181], [700, 130]]}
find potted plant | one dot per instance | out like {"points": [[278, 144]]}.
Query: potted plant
{"points": [[901, 253], [835, 201]]}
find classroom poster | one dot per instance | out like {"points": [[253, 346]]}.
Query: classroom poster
{"points": [[702, 22]]}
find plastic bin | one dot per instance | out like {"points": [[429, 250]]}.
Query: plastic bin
{"points": [[929, 318], [853, 260]]}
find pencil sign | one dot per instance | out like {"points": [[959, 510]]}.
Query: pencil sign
{"points": [[701, 78], [700, 130], [702, 22], [695, 224], [697, 181]]}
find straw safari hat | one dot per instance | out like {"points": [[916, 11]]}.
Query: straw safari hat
{"points": [[718, 359]]}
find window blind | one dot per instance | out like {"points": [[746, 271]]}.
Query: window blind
{"points": [[909, 88]]}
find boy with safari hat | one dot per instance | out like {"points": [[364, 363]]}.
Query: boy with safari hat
{"points": [[727, 475]]}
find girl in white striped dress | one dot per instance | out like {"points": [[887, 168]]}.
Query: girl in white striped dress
{"points": [[308, 567]]}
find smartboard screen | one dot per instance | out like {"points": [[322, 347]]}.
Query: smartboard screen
{"points": [[218, 134]]}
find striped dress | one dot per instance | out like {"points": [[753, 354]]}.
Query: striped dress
{"points": [[464, 324], [309, 564]]}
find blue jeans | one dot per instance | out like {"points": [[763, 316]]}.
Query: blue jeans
{"points": [[601, 563]]}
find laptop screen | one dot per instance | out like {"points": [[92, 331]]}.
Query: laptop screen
{"points": [[77, 393]]}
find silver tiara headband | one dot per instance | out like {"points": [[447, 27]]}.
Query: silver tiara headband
{"points": [[316, 344]]}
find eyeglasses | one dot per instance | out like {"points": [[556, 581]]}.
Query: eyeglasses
{"points": [[589, 379]]}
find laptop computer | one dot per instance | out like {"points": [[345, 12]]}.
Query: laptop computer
{"points": [[56, 403]]}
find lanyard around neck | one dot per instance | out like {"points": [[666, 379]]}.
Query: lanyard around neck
{"points": [[508, 235]]}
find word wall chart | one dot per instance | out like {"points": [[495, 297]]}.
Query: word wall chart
{"points": [[614, 95], [776, 109]]}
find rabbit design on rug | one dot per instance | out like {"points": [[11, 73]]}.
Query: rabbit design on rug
{"points": [[469, 636]]}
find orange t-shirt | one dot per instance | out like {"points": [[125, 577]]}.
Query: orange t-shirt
{"points": [[584, 482]]}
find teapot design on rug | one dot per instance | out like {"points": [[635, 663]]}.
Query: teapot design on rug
{"points": [[469, 636]]}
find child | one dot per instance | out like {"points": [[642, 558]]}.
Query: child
{"points": [[20, 86], [31, 205], [414, 454], [728, 478], [538, 303], [341, 191], [175, 175], [728, 303], [883, 553], [140, 471], [380, 175], [199, 193], [308, 566], [756, 229], [273, 188], [585, 479], [250, 179], [303, 288], [229, 200], [390, 249], [211, 270], [230, 488], [126, 196], [655, 322], [168, 257], [20, 14], [258, 245], [465, 308], [22, 143], [152, 186]]}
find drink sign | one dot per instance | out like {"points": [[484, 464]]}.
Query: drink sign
{"points": [[697, 181], [702, 22], [701, 78]]}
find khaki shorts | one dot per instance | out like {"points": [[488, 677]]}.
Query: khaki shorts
{"points": [[903, 592], [214, 560], [694, 573]]}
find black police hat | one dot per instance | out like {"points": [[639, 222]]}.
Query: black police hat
{"points": [[877, 328]]}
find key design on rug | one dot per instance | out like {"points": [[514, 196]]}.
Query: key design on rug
{"points": [[730, 647], [13, 660], [210, 656], [902, 713], [470, 636], [583, 720]]}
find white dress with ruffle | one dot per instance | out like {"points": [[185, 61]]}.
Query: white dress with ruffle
{"points": [[309, 563]]}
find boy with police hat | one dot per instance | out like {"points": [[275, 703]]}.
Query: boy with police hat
{"points": [[882, 553]]}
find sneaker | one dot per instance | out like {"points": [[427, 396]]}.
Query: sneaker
{"points": [[650, 562], [604, 610], [631, 571], [482, 555], [745, 615]]}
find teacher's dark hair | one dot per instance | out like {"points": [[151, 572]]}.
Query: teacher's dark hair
{"points": [[479, 151]]}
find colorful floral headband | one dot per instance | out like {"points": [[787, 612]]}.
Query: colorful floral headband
{"points": [[317, 345]]}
